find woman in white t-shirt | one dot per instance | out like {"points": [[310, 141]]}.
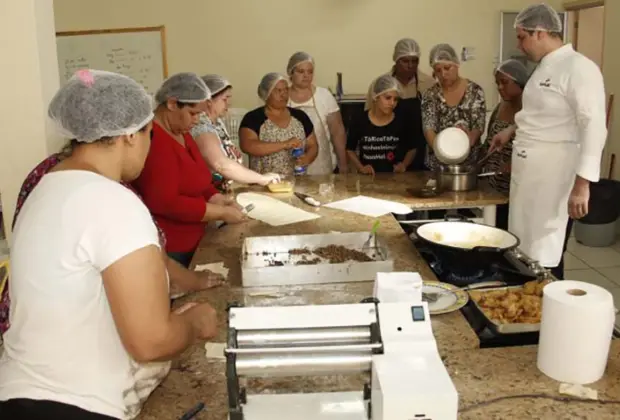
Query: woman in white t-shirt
{"points": [[323, 110], [91, 330]]}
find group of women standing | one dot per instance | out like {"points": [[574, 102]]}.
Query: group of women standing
{"points": [[406, 109], [114, 219]]}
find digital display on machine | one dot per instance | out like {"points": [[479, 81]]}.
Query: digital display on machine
{"points": [[417, 313]]}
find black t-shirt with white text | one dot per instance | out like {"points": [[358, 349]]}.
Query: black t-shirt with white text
{"points": [[381, 147]]}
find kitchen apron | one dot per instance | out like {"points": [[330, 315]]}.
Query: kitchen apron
{"points": [[411, 109], [543, 174]]}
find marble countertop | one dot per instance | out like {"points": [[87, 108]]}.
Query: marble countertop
{"points": [[224, 245], [194, 378], [400, 188], [479, 376]]}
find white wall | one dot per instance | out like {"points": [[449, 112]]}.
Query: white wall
{"points": [[590, 33], [28, 80], [244, 39]]}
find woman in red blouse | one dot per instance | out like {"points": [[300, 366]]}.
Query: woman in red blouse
{"points": [[176, 183]]}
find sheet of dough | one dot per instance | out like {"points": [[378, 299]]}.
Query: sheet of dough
{"points": [[272, 211], [215, 351], [214, 267], [369, 206]]}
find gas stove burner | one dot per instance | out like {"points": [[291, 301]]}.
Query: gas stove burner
{"points": [[465, 278]]}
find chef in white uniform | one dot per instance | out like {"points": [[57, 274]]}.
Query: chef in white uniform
{"points": [[560, 135]]}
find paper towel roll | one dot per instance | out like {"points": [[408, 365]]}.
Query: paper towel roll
{"points": [[575, 332]]}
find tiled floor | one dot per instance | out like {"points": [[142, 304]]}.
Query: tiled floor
{"points": [[599, 266]]}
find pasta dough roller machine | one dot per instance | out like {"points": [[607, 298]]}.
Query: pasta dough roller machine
{"points": [[388, 337]]}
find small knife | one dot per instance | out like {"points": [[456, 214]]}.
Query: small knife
{"points": [[308, 200], [248, 209]]}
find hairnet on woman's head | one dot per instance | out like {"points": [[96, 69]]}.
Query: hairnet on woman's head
{"points": [[406, 47], [94, 104], [443, 53], [184, 87], [515, 70], [539, 17], [267, 83], [297, 59], [216, 83], [382, 84]]}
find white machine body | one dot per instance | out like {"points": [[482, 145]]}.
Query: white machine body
{"points": [[408, 378]]}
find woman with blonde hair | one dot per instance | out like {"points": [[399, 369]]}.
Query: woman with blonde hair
{"points": [[323, 110], [215, 144]]}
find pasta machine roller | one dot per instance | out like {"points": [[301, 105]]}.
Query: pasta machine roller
{"points": [[389, 337]]}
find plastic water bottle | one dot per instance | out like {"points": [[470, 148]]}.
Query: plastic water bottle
{"points": [[297, 153]]}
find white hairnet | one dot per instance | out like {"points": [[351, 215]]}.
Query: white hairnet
{"points": [[539, 17], [443, 53], [216, 83], [267, 83], [406, 47], [515, 70], [94, 104], [297, 59], [381, 85], [184, 87]]}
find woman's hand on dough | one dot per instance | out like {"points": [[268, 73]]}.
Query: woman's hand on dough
{"points": [[270, 178]]}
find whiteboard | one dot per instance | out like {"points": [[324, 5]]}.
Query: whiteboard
{"points": [[137, 52]]}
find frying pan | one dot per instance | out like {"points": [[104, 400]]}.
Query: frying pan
{"points": [[465, 244], [467, 236]]}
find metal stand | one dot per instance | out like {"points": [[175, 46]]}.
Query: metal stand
{"points": [[375, 337], [236, 394]]}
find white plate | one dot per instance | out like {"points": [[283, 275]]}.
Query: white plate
{"points": [[451, 298], [452, 146]]}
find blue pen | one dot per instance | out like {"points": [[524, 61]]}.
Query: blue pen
{"points": [[192, 412]]}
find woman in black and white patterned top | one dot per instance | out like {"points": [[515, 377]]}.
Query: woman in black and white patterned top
{"points": [[453, 102], [510, 77]]}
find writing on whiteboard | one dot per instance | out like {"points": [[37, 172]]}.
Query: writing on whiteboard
{"points": [[135, 54]]}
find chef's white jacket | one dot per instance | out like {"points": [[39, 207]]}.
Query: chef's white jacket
{"points": [[564, 101]]}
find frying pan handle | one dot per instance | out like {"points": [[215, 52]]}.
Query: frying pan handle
{"points": [[485, 284], [414, 234], [517, 273], [487, 249], [458, 217]]}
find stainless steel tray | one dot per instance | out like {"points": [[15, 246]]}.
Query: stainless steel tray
{"points": [[496, 327], [266, 261]]}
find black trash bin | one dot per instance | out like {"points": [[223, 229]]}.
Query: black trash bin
{"points": [[598, 227]]}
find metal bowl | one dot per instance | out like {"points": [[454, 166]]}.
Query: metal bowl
{"points": [[457, 177]]}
